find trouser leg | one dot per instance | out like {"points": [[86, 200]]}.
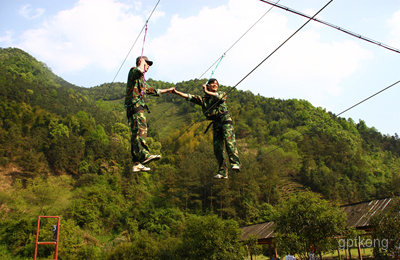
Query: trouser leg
{"points": [[230, 143], [218, 142], [139, 148]]}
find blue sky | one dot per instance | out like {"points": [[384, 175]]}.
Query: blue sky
{"points": [[86, 41]]}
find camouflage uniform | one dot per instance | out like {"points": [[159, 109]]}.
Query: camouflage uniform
{"points": [[135, 105], [215, 109]]}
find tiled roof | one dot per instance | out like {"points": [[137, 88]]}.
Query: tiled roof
{"points": [[262, 231], [359, 214]]}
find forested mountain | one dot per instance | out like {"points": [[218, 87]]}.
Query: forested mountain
{"points": [[65, 151]]}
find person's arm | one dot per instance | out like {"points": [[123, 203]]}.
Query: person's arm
{"points": [[167, 90], [209, 92], [189, 97], [184, 95], [219, 95], [157, 92]]}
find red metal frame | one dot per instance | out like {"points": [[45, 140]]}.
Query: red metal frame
{"points": [[47, 243]]}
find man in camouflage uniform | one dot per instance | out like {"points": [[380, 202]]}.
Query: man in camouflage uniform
{"points": [[214, 107], [136, 91]]}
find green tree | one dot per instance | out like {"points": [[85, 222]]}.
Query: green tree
{"points": [[306, 220], [210, 238], [100, 135], [143, 247]]}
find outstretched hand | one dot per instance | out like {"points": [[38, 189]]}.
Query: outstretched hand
{"points": [[170, 90], [173, 90], [167, 90], [176, 92]]}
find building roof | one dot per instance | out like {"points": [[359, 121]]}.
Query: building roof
{"points": [[358, 215], [263, 231]]}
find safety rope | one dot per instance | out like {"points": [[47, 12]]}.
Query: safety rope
{"points": [[141, 56], [212, 73], [134, 43], [251, 27], [333, 26], [144, 38]]}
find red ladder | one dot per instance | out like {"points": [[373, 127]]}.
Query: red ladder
{"points": [[47, 243]]}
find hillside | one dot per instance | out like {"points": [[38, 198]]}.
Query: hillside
{"points": [[323, 145], [63, 143]]}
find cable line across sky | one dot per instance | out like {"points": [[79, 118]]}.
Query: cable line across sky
{"points": [[332, 26], [238, 40]]}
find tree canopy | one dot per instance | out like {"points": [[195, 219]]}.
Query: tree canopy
{"points": [[306, 222]]}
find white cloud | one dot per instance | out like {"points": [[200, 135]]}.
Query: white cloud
{"points": [[27, 12], [95, 33], [309, 66]]}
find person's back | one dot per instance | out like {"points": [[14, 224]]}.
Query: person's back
{"points": [[290, 257]]}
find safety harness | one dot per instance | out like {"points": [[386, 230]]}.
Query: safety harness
{"points": [[218, 123], [133, 110]]}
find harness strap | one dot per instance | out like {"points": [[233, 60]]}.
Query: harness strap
{"points": [[134, 110], [218, 122], [229, 122]]}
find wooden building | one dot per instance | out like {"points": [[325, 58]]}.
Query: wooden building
{"points": [[358, 216]]}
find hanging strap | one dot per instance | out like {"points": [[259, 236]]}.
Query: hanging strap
{"points": [[212, 73], [144, 80]]}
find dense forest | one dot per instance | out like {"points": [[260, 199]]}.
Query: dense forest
{"points": [[65, 151]]}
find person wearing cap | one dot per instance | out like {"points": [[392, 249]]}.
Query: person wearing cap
{"points": [[136, 91], [214, 107]]}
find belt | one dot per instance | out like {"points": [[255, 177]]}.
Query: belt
{"points": [[133, 110], [218, 124]]}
